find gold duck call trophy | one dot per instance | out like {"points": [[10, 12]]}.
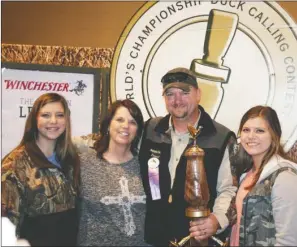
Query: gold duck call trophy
{"points": [[212, 73], [196, 190]]}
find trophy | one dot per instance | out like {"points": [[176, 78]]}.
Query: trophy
{"points": [[196, 190]]}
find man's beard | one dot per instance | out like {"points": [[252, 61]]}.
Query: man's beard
{"points": [[180, 116]]}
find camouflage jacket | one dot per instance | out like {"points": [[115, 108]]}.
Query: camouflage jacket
{"points": [[257, 225], [32, 187]]}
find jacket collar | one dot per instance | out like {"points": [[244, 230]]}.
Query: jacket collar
{"points": [[37, 157], [276, 162], [205, 121]]}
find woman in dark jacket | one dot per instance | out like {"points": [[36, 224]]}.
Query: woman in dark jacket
{"points": [[40, 177]]}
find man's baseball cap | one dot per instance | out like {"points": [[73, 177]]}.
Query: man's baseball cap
{"points": [[179, 78]]}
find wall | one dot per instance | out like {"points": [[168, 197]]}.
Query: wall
{"points": [[83, 24]]}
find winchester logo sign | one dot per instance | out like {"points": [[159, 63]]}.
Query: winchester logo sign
{"points": [[244, 54], [21, 86]]}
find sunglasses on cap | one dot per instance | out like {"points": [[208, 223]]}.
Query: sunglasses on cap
{"points": [[179, 77]]}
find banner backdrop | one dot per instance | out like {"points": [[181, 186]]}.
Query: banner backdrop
{"points": [[21, 87], [243, 52]]}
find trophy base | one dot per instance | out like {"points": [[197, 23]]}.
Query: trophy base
{"points": [[195, 213]]}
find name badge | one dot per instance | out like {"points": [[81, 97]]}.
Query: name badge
{"points": [[153, 172]]}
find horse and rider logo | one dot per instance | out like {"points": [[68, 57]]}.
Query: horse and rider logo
{"points": [[79, 88]]}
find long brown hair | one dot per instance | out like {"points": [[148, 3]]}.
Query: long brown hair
{"points": [[101, 145], [244, 161], [65, 150]]}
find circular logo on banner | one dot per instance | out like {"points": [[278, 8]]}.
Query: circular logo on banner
{"points": [[244, 54]]}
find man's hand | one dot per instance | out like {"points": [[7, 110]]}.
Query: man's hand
{"points": [[204, 228]]}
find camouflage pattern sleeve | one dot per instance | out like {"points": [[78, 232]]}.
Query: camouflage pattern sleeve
{"points": [[226, 190], [12, 193], [233, 149]]}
